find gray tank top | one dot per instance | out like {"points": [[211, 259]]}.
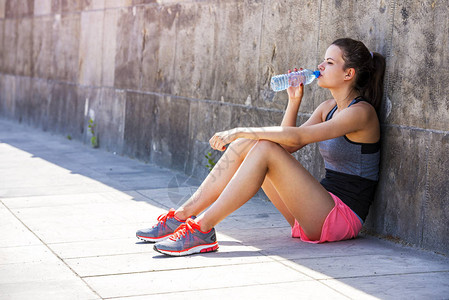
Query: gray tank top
{"points": [[352, 170], [345, 156]]}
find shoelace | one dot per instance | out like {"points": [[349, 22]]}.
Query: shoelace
{"points": [[163, 218], [189, 226]]}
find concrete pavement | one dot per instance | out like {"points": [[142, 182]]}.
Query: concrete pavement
{"points": [[68, 216]]}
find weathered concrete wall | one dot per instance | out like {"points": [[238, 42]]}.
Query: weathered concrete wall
{"points": [[160, 77]]}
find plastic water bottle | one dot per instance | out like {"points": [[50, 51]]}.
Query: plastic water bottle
{"points": [[282, 82]]}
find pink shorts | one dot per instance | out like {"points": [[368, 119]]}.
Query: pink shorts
{"points": [[341, 224]]}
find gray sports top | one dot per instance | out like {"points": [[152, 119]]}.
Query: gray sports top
{"points": [[352, 169]]}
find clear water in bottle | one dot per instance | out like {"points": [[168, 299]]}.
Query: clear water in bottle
{"points": [[282, 82]]}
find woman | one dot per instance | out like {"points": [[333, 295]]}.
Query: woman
{"points": [[348, 132]]}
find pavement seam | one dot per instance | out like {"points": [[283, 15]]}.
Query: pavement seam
{"points": [[383, 275], [151, 199], [312, 279], [88, 241], [51, 250], [208, 289], [107, 255], [144, 244], [334, 289], [187, 268]]}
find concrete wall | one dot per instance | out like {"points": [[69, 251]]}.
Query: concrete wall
{"points": [[160, 77]]}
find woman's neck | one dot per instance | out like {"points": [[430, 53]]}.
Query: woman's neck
{"points": [[344, 96]]}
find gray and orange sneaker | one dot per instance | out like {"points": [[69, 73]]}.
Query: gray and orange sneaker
{"points": [[188, 239], [166, 225]]}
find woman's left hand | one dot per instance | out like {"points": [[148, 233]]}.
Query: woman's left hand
{"points": [[221, 139], [295, 93]]}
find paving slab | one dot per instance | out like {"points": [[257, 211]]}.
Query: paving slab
{"points": [[78, 233], [53, 190], [69, 213], [48, 289], [25, 254], [366, 265], [34, 272], [98, 248], [192, 279], [231, 253], [290, 290], [403, 286], [65, 200], [12, 232]]}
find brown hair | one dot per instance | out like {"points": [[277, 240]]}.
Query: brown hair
{"points": [[369, 69]]}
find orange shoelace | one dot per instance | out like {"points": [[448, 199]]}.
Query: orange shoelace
{"points": [[189, 226], [163, 218]]}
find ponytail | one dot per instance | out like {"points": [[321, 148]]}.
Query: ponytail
{"points": [[369, 69], [375, 87]]}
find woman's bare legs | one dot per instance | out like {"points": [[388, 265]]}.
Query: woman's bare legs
{"points": [[277, 201], [217, 179], [220, 176], [302, 195]]}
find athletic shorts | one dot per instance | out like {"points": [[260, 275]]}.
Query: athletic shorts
{"points": [[341, 224]]}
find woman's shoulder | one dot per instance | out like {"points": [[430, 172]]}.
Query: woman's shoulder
{"points": [[325, 107], [365, 107], [366, 104]]}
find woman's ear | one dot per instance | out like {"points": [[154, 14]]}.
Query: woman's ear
{"points": [[350, 73]]}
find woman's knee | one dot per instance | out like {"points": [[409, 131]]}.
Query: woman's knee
{"points": [[266, 146], [267, 149], [241, 147]]}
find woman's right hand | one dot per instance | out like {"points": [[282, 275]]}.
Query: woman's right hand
{"points": [[295, 93]]}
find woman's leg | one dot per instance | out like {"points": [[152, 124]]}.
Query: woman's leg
{"points": [[302, 194], [277, 201], [217, 179]]}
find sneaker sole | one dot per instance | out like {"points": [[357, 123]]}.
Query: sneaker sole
{"points": [[194, 250], [152, 240]]}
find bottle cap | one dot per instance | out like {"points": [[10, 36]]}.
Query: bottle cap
{"points": [[316, 73]]}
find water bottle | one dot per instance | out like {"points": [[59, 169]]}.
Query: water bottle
{"points": [[282, 82]]}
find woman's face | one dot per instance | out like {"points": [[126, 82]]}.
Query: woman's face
{"points": [[331, 69]]}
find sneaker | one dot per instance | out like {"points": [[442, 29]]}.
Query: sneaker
{"points": [[188, 239], [167, 224]]}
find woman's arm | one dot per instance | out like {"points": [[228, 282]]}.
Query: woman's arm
{"points": [[295, 95], [289, 119], [352, 119], [317, 116]]}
